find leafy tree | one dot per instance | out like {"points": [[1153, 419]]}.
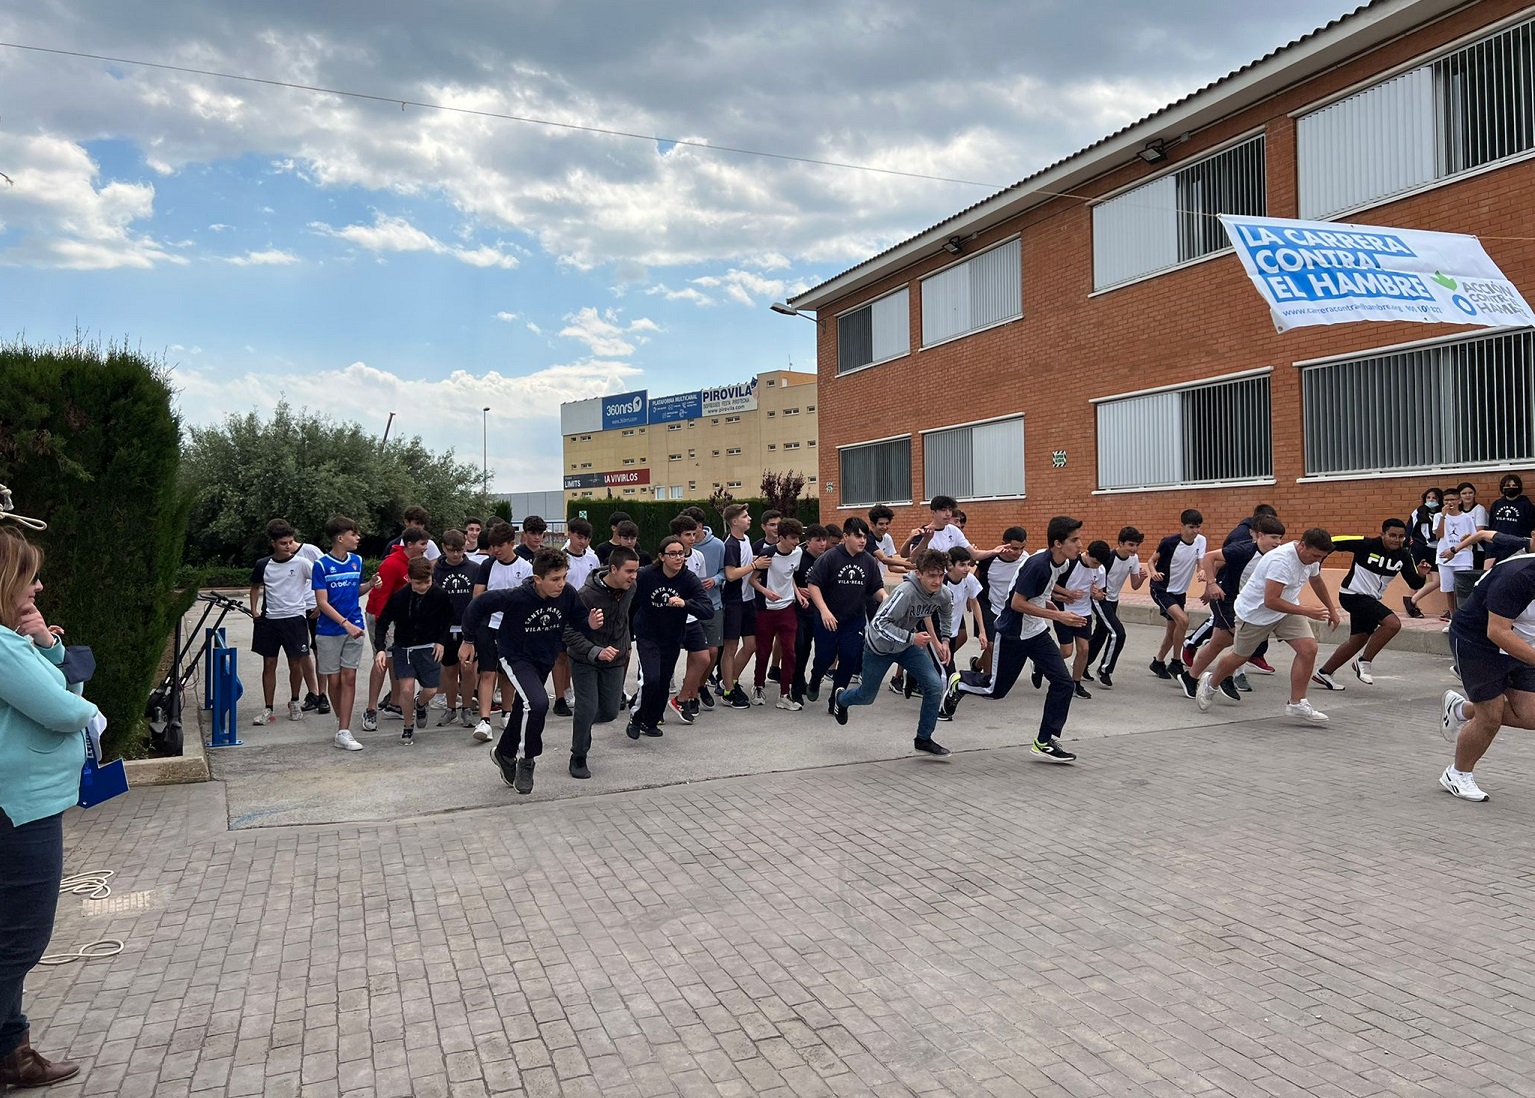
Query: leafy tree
{"points": [[781, 491], [305, 467]]}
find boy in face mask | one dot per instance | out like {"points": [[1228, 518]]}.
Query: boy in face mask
{"points": [[1512, 514]]}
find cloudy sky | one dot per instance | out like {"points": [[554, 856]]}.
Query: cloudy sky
{"points": [[363, 258]]}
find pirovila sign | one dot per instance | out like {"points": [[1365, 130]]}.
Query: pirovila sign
{"points": [[626, 478], [725, 399]]}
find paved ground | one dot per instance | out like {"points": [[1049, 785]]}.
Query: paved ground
{"points": [[1240, 908]]}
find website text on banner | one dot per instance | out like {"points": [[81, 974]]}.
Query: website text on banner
{"points": [[1325, 272]]}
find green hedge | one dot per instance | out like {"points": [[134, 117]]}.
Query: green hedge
{"points": [[654, 517], [89, 443]]}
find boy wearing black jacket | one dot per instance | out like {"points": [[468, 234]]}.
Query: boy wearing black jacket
{"points": [[664, 595], [533, 619], [421, 615], [598, 661]]}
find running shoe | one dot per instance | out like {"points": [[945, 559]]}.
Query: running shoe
{"points": [[523, 782], [835, 707], [449, 716], [1322, 678], [1302, 710], [1051, 751], [1080, 691], [468, 718], [370, 720], [1411, 607], [1175, 668], [1362, 672], [346, 741], [950, 701], [1190, 686], [681, 709], [578, 767], [1105, 680], [772, 673], [738, 698], [1205, 693], [407, 736], [1241, 683], [324, 707], [506, 767], [1037, 678], [1260, 665], [786, 702], [757, 696], [897, 686], [482, 731], [295, 711], [975, 663], [392, 711], [263, 718], [311, 702], [1229, 688], [813, 690], [1449, 722], [420, 716], [561, 708], [693, 708], [1087, 676], [1462, 785], [931, 746], [705, 698], [440, 701], [1159, 669], [633, 728]]}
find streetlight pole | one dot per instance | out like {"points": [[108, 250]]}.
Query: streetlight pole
{"points": [[485, 454]]}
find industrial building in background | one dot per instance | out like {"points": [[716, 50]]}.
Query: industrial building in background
{"points": [[1086, 342], [690, 445]]}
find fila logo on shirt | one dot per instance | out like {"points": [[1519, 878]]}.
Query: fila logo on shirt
{"points": [[1381, 563]]}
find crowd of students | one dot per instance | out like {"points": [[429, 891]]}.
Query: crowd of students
{"points": [[495, 622]]}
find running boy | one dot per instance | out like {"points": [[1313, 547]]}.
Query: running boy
{"points": [[1108, 639], [777, 621], [420, 615], [454, 574], [965, 592], [503, 570], [1088, 582], [841, 585], [1377, 561], [1232, 565], [1179, 560]]}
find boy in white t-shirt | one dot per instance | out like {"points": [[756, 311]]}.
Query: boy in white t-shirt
{"points": [[777, 618], [1453, 525], [882, 542], [965, 589], [1086, 582], [1267, 607], [1179, 562], [282, 579], [583, 561]]}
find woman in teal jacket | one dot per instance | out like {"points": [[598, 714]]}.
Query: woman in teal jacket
{"points": [[42, 748]]}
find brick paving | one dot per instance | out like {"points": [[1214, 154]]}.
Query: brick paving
{"points": [[1246, 910]]}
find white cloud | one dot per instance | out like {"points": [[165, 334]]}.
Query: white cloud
{"points": [[524, 435], [534, 328], [219, 227], [745, 287], [272, 257], [604, 335], [395, 234], [62, 216], [688, 293], [506, 316]]}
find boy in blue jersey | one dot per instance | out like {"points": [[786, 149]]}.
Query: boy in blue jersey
{"points": [[337, 580]]}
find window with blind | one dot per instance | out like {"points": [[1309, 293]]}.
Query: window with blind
{"points": [[982, 461], [1171, 220], [1468, 402], [1472, 107], [983, 290], [876, 472], [874, 333], [1211, 433]]}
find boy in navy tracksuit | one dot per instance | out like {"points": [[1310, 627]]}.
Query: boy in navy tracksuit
{"points": [[533, 619], [664, 595]]}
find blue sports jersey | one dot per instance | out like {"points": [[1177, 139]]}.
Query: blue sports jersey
{"points": [[340, 580]]}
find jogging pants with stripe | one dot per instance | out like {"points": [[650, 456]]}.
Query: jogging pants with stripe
{"points": [[1007, 664], [1108, 635], [524, 734], [658, 659]]}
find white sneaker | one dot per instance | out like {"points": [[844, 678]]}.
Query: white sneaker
{"points": [[1449, 722], [1205, 694], [440, 701], [1302, 709], [295, 710], [482, 731], [263, 718], [1323, 679], [1362, 671], [786, 702], [1462, 785], [757, 696], [346, 741]]}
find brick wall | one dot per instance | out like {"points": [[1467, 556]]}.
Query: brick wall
{"points": [[1198, 322]]}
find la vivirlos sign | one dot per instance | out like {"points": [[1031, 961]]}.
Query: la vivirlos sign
{"points": [[1324, 272]]}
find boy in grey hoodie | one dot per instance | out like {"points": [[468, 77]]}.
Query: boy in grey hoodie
{"points": [[598, 661], [917, 614]]}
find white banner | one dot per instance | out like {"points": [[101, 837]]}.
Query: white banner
{"points": [[741, 397], [1325, 272]]}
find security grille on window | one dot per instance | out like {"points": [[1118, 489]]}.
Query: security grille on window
{"points": [[1453, 404], [1171, 220], [984, 290], [976, 462], [876, 332], [1472, 107], [1199, 434], [876, 472]]}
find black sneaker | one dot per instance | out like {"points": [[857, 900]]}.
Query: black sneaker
{"points": [[772, 674], [1174, 668], [1159, 669], [931, 746], [507, 767], [633, 728], [652, 730], [705, 698], [407, 737], [738, 698], [1051, 751], [420, 716], [1105, 680], [311, 702], [324, 707], [813, 690], [950, 703], [1189, 683], [897, 686], [628, 700], [578, 767], [835, 707], [694, 708], [683, 710], [1080, 691], [524, 779], [1087, 676], [562, 708], [909, 686], [389, 709], [1037, 678], [1229, 688]]}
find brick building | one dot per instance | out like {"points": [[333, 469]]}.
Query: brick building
{"points": [[1104, 354]]}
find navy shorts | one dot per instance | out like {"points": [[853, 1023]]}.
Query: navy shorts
{"points": [[740, 620], [485, 652], [417, 663], [1364, 613], [1165, 600], [1485, 671], [450, 651], [1223, 614], [1066, 634], [693, 638], [272, 636]]}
